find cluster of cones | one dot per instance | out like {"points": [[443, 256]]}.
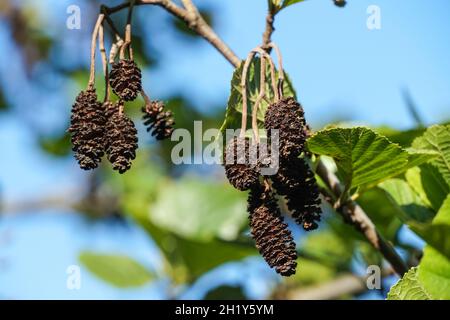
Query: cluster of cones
{"points": [[294, 181], [97, 128]]}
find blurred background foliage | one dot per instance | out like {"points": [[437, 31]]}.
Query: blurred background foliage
{"points": [[195, 222]]}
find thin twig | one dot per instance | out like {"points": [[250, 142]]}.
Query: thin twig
{"points": [[104, 10], [245, 68], [115, 49], [147, 99], [264, 54], [197, 24], [101, 45], [262, 93], [127, 43], [267, 35], [93, 49], [280, 68]]}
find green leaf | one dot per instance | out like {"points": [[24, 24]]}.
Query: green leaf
{"points": [[234, 106], [413, 209], [189, 259], [312, 272], [57, 146], [363, 157], [226, 292], [202, 209], [379, 207], [436, 232], [429, 184], [118, 270], [437, 138], [434, 273], [287, 3], [327, 246], [409, 288], [403, 138]]}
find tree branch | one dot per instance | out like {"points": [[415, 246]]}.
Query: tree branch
{"points": [[267, 35], [353, 214], [194, 21]]}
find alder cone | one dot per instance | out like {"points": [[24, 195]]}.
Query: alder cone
{"points": [[340, 3], [87, 129], [125, 79], [240, 173], [272, 237], [121, 140], [296, 181], [159, 122], [287, 116]]}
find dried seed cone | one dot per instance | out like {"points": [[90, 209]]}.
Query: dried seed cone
{"points": [[159, 122], [240, 172], [87, 128], [340, 3], [272, 236], [125, 79], [297, 183], [121, 140], [287, 116]]}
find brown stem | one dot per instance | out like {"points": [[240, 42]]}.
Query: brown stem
{"points": [[197, 24], [127, 43], [245, 68], [262, 93], [101, 44], [267, 35], [93, 49], [264, 54], [146, 98], [353, 214], [280, 67], [115, 49]]}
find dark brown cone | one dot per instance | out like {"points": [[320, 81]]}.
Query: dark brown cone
{"points": [[159, 122], [240, 172], [297, 183], [288, 117], [121, 140], [87, 128], [125, 79], [272, 236], [340, 3]]}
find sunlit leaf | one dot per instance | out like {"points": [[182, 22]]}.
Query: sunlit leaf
{"points": [[363, 157], [287, 3], [200, 209], [434, 273], [409, 288], [435, 231], [57, 146], [428, 183], [118, 270], [437, 138]]}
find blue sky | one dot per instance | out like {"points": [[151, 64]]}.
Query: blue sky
{"points": [[339, 68]]}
